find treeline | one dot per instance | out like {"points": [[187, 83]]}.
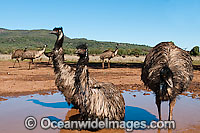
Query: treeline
{"points": [[36, 39]]}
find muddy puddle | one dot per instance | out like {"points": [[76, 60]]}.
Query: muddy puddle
{"points": [[140, 105]]}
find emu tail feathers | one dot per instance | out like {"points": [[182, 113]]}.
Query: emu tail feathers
{"points": [[166, 83]]}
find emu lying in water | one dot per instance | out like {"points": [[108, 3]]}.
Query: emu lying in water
{"points": [[167, 71], [100, 100], [93, 99]]}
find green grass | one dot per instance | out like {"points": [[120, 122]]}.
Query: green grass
{"points": [[196, 62]]}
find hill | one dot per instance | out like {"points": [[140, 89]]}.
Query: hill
{"points": [[36, 39]]}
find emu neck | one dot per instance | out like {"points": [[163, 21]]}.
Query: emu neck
{"points": [[58, 54], [83, 61], [115, 52], [82, 75], [81, 65], [40, 52], [59, 42]]}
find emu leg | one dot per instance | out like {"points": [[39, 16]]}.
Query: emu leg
{"points": [[34, 63], [29, 65], [108, 63], [18, 63], [158, 103], [171, 107], [49, 60], [14, 63], [31, 62], [103, 64]]}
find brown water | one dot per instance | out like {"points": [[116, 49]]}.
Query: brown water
{"points": [[138, 107]]}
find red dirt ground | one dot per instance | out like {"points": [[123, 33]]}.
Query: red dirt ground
{"points": [[21, 81]]}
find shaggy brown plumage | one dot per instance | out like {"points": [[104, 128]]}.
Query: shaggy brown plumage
{"points": [[167, 71], [97, 100], [17, 54], [93, 99], [64, 73], [32, 54], [107, 55], [49, 55]]}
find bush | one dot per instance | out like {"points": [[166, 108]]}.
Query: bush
{"points": [[136, 52], [195, 51]]}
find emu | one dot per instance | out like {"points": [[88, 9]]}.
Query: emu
{"points": [[17, 54], [167, 71], [32, 54], [108, 54], [64, 74], [92, 98], [100, 100]]}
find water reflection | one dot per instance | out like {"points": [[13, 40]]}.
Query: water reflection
{"points": [[52, 105], [53, 118], [139, 114], [73, 115], [131, 113], [142, 107]]}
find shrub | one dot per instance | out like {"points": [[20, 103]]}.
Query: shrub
{"points": [[195, 51]]}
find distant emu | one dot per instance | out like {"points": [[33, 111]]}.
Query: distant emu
{"points": [[107, 55], [32, 54], [167, 71], [17, 54]]}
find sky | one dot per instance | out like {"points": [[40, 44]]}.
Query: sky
{"points": [[147, 22]]}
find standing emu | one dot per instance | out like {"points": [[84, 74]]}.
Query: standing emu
{"points": [[17, 54], [108, 54], [93, 99], [32, 54], [167, 71], [64, 74]]}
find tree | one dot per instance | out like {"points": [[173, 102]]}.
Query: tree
{"points": [[195, 51], [136, 52]]}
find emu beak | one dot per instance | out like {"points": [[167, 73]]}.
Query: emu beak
{"points": [[53, 32]]}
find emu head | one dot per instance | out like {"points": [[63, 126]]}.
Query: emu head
{"points": [[58, 32], [25, 49], [82, 50]]}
